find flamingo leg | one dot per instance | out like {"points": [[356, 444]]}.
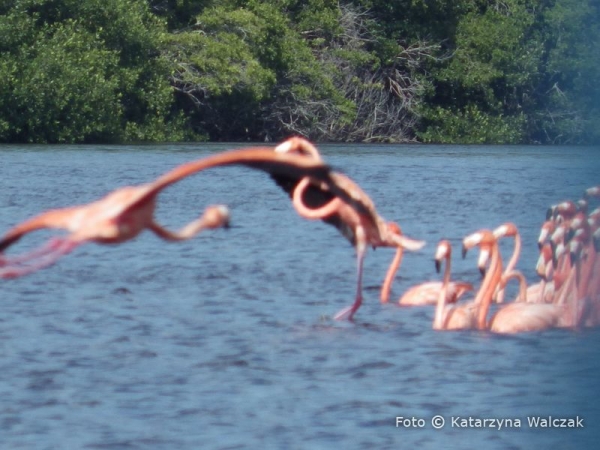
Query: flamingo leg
{"points": [[45, 249], [361, 250], [45, 256]]}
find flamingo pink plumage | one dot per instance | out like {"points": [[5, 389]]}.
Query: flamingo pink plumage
{"points": [[354, 216]]}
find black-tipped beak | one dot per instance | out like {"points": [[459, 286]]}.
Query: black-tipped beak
{"points": [[482, 271], [438, 266], [549, 213], [540, 246], [464, 252], [574, 257], [569, 235]]}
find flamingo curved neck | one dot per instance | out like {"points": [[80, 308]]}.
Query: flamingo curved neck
{"points": [[515, 256], [389, 276], [484, 296], [322, 212], [438, 322]]}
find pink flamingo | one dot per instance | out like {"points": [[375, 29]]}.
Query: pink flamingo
{"points": [[354, 216], [519, 317], [470, 314], [488, 251], [450, 317], [546, 231], [545, 270], [592, 192], [126, 212], [534, 292], [422, 294]]}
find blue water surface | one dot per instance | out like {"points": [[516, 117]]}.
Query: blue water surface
{"points": [[227, 341]]}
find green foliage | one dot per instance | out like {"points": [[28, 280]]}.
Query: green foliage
{"points": [[469, 71], [82, 71], [240, 66], [472, 126]]}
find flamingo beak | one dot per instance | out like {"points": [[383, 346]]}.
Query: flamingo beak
{"points": [[438, 265], [464, 252], [482, 271], [574, 257], [557, 254]]}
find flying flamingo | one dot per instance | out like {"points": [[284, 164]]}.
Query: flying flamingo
{"points": [[354, 216], [422, 294], [215, 216], [126, 212]]}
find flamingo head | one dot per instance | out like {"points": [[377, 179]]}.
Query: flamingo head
{"points": [[566, 210], [394, 228], [442, 251], [576, 248], [592, 192], [544, 261], [557, 238], [216, 216], [546, 231], [507, 229], [582, 205], [485, 240], [300, 146], [579, 225], [480, 238]]}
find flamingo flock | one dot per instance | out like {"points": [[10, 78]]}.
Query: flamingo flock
{"points": [[566, 296]]}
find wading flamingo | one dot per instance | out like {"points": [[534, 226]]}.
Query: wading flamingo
{"points": [[124, 213], [470, 314], [561, 212], [488, 252], [422, 294], [527, 317], [535, 291], [520, 317], [546, 231], [354, 216], [450, 317]]}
